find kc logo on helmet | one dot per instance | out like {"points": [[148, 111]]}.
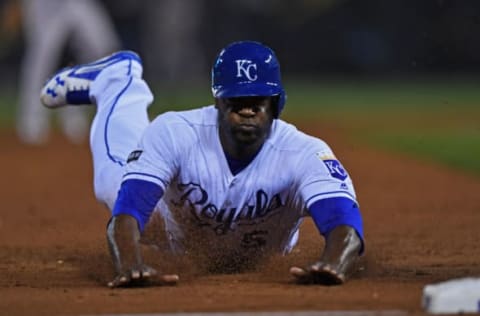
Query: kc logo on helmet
{"points": [[246, 68]]}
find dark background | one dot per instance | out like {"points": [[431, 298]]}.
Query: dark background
{"points": [[325, 39]]}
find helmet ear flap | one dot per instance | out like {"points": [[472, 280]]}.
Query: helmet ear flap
{"points": [[279, 102]]}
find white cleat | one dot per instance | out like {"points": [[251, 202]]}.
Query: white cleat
{"points": [[72, 85]]}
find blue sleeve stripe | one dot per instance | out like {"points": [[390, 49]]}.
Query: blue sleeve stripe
{"points": [[328, 193], [145, 175], [137, 198], [332, 212]]}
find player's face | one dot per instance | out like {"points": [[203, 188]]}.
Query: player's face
{"points": [[245, 120]]}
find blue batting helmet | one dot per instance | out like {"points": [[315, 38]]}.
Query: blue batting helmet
{"points": [[246, 69]]}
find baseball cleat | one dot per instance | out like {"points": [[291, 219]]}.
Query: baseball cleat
{"points": [[71, 85]]}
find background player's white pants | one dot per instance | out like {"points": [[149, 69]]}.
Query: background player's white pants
{"points": [[122, 99], [49, 26]]}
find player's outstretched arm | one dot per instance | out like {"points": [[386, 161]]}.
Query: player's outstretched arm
{"points": [[337, 262], [123, 238]]}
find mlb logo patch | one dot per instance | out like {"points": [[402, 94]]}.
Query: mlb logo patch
{"points": [[134, 155], [336, 169]]}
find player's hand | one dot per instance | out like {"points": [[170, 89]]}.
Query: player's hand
{"points": [[141, 276], [337, 261], [319, 273]]}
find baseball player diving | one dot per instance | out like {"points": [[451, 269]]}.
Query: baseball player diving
{"points": [[230, 180]]}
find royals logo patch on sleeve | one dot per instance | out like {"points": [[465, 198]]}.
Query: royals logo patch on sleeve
{"points": [[333, 165]]}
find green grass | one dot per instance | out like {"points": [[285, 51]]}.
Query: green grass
{"points": [[8, 103], [457, 148], [175, 100], [437, 120], [382, 95]]}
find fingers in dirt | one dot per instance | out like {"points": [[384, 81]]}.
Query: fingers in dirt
{"points": [[120, 280], [318, 274], [169, 279], [298, 272], [144, 279]]}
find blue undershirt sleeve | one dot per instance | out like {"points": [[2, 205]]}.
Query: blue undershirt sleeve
{"points": [[332, 212], [137, 198]]}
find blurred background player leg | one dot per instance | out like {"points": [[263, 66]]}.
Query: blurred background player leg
{"points": [[175, 24], [44, 38], [49, 26], [93, 36]]}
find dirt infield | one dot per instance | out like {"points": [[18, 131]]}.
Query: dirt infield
{"points": [[421, 225]]}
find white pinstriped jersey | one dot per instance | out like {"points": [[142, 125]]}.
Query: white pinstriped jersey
{"points": [[261, 206]]}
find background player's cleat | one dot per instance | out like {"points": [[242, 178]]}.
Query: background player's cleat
{"points": [[72, 85]]}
